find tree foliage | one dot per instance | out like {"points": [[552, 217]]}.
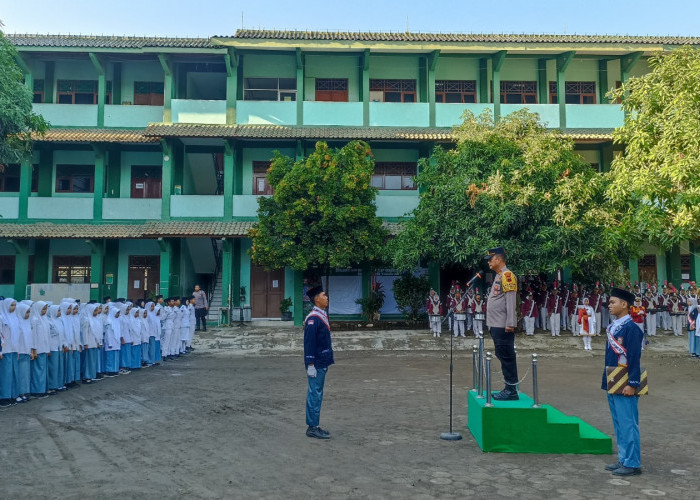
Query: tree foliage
{"points": [[657, 181], [410, 292], [322, 213], [512, 184], [17, 120]]}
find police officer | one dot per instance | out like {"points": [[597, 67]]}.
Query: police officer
{"points": [[501, 319], [318, 356]]}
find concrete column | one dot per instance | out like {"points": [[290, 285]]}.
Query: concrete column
{"points": [[365, 88], [300, 87], [496, 64], [231, 60], [97, 268], [164, 266], [228, 292], [563, 61], [695, 261], [25, 188], [229, 167], [298, 298], [99, 183], [21, 268], [673, 266]]}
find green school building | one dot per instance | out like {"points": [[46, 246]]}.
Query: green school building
{"points": [[148, 180]]}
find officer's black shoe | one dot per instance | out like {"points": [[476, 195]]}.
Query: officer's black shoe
{"points": [[317, 432], [627, 471], [615, 466], [506, 395]]}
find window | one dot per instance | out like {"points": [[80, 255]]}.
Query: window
{"points": [[647, 268], [10, 177], [392, 90], [148, 93], [7, 269], [75, 178], [71, 269], [38, 91], [332, 89], [260, 183], [80, 92], [576, 92], [394, 175], [270, 89], [461, 91], [519, 92]]}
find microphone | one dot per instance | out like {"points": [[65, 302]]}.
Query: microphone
{"points": [[471, 281]]}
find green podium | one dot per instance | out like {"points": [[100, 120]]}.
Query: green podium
{"points": [[517, 427]]}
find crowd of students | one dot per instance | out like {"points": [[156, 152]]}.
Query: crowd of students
{"points": [[48, 348]]}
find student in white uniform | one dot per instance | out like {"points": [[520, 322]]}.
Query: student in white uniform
{"points": [[168, 322], [193, 324], [479, 311], [113, 341], [10, 346], [41, 346], [136, 327], [22, 381], [184, 326], [587, 321], [55, 364], [174, 348], [125, 324]]}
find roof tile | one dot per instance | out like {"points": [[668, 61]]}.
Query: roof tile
{"points": [[111, 42], [111, 135]]}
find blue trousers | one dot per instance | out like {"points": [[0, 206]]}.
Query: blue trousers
{"points": [[39, 375], [135, 356], [112, 361], [24, 376], [314, 397], [159, 355], [8, 372], [625, 417], [125, 356], [54, 370]]}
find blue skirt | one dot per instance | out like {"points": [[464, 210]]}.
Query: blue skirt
{"points": [[76, 366], [125, 356], [8, 372], [151, 358], [39, 375], [135, 356], [112, 361], [23, 379], [159, 355], [68, 367], [54, 369], [90, 363]]}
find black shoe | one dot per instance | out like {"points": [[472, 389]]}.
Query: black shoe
{"points": [[615, 466], [627, 471], [317, 432], [506, 395], [40, 396], [6, 403]]}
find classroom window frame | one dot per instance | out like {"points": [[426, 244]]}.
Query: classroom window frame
{"points": [[394, 176], [518, 92], [260, 169], [73, 178], [455, 91], [71, 91], [149, 93], [331, 89], [274, 89], [395, 90], [71, 269], [581, 92]]}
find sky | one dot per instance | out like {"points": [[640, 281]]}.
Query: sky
{"points": [[203, 18]]}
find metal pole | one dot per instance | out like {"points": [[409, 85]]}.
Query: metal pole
{"points": [[481, 369], [535, 396], [475, 374], [488, 379], [451, 436]]}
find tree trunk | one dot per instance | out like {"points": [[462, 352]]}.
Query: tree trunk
{"points": [[328, 272]]}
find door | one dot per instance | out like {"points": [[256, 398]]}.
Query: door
{"points": [[146, 182], [144, 276], [267, 290]]}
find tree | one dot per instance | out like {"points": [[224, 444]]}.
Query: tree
{"points": [[512, 184], [17, 120], [410, 292], [322, 213], [656, 182]]}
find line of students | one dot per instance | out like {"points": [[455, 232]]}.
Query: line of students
{"points": [[48, 348]]}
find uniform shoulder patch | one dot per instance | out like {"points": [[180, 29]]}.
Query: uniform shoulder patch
{"points": [[509, 283]]}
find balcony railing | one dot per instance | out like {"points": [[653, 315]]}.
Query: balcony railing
{"points": [[9, 207], [193, 206], [343, 114], [132, 116], [399, 114], [132, 208], [68, 115], [266, 112], [198, 111], [60, 208]]}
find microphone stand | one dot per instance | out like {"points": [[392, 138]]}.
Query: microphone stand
{"points": [[453, 436]]}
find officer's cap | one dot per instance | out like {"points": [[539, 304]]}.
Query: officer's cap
{"points": [[494, 251], [623, 295]]}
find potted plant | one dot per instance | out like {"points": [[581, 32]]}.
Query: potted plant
{"points": [[285, 305], [374, 301]]}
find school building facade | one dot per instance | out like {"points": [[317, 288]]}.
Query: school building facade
{"points": [[148, 180]]}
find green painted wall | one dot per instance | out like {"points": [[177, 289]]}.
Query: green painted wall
{"points": [[407, 155], [62, 157], [331, 66], [128, 248], [249, 155], [396, 67], [131, 158], [272, 65], [457, 68], [138, 71], [245, 268]]}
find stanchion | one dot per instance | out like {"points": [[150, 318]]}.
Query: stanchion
{"points": [[475, 376], [451, 436], [480, 389], [488, 379], [535, 396]]}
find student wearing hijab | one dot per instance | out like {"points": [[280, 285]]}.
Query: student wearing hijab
{"points": [[23, 380], [9, 356], [68, 362], [55, 359], [78, 343], [152, 318], [193, 324], [113, 340], [92, 331], [145, 336], [125, 355], [158, 333], [168, 319], [104, 313], [41, 346], [136, 326], [184, 326]]}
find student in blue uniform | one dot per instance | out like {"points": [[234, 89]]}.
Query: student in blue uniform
{"points": [[8, 357], [624, 348], [318, 356], [41, 346]]}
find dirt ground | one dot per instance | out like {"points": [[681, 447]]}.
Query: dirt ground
{"points": [[228, 422]]}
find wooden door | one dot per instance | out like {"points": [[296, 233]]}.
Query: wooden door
{"points": [[145, 182], [144, 275], [267, 291]]}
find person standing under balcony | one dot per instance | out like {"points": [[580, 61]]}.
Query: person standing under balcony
{"points": [[201, 307], [434, 308]]}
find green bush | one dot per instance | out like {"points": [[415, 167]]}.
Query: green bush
{"points": [[410, 293]]}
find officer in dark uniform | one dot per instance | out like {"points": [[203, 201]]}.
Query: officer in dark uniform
{"points": [[501, 319], [318, 356]]}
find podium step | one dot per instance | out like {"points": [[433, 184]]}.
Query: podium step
{"points": [[517, 427]]}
